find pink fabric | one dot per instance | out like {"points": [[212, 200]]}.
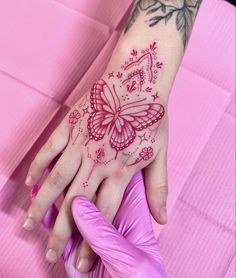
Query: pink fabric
{"points": [[50, 53]]}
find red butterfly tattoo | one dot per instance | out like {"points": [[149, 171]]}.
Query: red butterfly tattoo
{"points": [[119, 122]]}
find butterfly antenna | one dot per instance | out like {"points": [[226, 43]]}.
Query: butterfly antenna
{"points": [[134, 102]]}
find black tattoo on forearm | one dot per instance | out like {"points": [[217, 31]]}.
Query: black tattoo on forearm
{"points": [[158, 11]]}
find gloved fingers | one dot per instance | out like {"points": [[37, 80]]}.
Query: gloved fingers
{"points": [[156, 181], [118, 255], [108, 202]]}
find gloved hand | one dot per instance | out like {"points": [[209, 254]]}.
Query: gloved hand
{"points": [[127, 248]]}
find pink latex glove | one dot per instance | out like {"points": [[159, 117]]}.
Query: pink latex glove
{"points": [[126, 249]]}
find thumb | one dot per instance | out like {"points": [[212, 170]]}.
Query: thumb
{"points": [[104, 239], [155, 176]]}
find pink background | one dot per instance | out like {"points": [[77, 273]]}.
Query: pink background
{"points": [[50, 52]]}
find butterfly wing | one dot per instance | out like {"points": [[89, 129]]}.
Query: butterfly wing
{"points": [[103, 98], [104, 103], [131, 119], [123, 135], [143, 115]]}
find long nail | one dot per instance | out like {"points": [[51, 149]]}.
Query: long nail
{"points": [[51, 256], [29, 181], [29, 224], [83, 265]]}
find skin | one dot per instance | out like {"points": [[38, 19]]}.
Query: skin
{"points": [[80, 168]]}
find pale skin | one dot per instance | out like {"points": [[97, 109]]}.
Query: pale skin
{"points": [[119, 127]]}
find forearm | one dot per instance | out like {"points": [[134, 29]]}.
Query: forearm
{"points": [[169, 24]]}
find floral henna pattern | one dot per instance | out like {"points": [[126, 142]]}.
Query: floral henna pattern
{"points": [[141, 70], [145, 154], [73, 120], [119, 121], [123, 112]]}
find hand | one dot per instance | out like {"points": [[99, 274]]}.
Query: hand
{"points": [[116, 129], [127, 249]]}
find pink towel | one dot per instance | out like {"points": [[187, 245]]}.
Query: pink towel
{"points": [[51, 51]]}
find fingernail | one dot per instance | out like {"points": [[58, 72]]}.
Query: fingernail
{"points": [[83, 265], [29, 224], [51, 256], [29, 181], [163, 212]]}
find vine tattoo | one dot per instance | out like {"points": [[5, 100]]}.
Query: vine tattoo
{"points": [[156, 11], [123, 113]]}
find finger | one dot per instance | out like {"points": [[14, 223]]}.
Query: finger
{"points": [[60, 176], [86, 184], [54, 145], [113, 187], [104, 239], [156, 182], [49, 220]]}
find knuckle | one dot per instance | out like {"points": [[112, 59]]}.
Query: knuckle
{"points": [[162, 187]]}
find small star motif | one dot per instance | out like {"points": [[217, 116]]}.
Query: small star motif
{"points": [[111, 74], [85, 110], [153, 140], [155, 96], [142, 138]]}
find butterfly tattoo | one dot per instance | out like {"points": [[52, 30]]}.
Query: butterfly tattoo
{"points": [[119, 122]]}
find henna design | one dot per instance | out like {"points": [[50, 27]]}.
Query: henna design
{"points": [[73, 119], [142, 70], [111, 74], [148, 89], [155, 96], [129, 155], [145, 154], [119, 122], [119, 75], [164, 10], [142, 138], [98, 160], [85, 110]]}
